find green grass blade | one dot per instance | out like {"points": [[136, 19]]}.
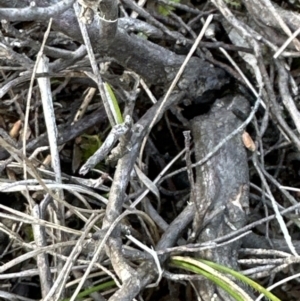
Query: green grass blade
{"points": [[242, 278], [113, 104], [93, 289], [219, 279]]}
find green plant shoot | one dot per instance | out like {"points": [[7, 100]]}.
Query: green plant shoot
{"points": [[216, 273], [113, 104], [166, 9]]}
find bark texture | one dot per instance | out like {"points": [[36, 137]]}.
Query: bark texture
{"points": [[222, 185]]}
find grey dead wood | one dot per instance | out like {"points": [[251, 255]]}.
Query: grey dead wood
{"points": [[260, 11], [154, 63], [221, 187], [65, 133], [31, 12], [158, 66]]}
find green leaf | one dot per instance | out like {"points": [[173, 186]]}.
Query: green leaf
{"points": [[166, 9], [89, 145], [241, 277], [96, 288], [113, 104], [219, 279], [214, 273]]}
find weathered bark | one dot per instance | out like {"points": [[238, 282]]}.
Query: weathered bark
{"points": [[261, 12], [157, 65], [222, 185]]}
